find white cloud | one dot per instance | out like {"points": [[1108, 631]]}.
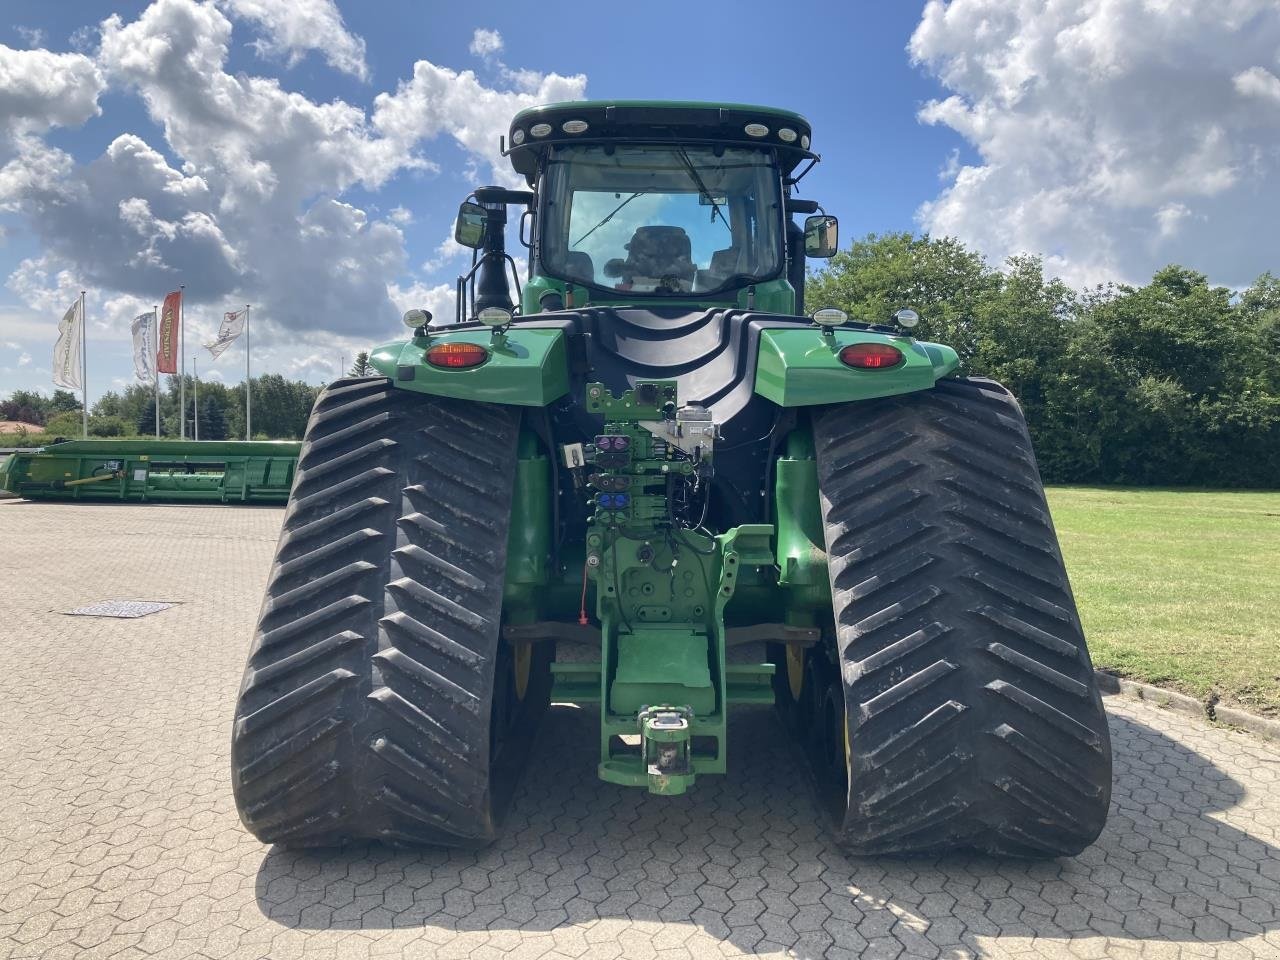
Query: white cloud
{"points": [[439, 299], [448, 250], [951, 168], [294, 27], [1170, 217], [486, 43], [1104, 129], [24, 359], [1258, 82], [438, 100], [247, 203], [40, 89], [33, 36]]}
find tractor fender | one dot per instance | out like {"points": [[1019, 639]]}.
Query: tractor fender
{"points": [[801, 367], [524, 367]]}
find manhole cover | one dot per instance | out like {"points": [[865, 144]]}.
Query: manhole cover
{"points": [[121, 608]]}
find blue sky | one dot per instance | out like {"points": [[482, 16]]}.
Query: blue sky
{"points": [[309, 156]]}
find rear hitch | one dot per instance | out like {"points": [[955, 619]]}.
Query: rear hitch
{"points": [[666, 736]]}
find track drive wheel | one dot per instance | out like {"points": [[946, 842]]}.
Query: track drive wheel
{"points": [[969, 700], [378, 701]]}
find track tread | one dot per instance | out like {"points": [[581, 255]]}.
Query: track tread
{"points": [[365, 710], [973, 714]]}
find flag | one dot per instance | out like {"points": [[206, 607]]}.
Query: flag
{"points": [[66, 352], [232, 327], [144, 351], [167, 342]]}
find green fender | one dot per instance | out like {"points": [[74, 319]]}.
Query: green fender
{"points": [[527, 368], [796, 366], [800, 367]]}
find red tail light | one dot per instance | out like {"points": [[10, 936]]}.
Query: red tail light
{"points": [[871, 356], [456, 355]]}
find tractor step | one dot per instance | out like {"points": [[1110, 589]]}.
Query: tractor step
{"points": [[575, 682], [749, 683]]}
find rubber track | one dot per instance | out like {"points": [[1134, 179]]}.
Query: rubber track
{"points": [[974, 718], [365, 707]]}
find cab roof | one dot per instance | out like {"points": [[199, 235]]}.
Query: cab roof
{"points": [[656, 121]]}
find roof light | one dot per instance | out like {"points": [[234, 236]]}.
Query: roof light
{"points": [[517, 136], [574, 126], [494, 316], [787, 135], [540, 129], [871, 356], [906, 318], [804, 142], [756, 130], [416, 318], [830, 317], [456, 355]]}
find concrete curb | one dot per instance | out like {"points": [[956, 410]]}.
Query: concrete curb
{"points": [[1264, 727]]}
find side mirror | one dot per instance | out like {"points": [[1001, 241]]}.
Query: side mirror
{"points": [[470, 227], [821, 236]]}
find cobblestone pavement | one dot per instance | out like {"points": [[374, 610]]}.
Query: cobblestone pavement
{"points": [[121, 839]]}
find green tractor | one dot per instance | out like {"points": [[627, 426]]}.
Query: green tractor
{"points": [[646, 481]]}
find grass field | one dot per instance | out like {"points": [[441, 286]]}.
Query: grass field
{"points": [[1178, 588]]}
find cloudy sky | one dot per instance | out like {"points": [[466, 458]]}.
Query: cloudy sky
{"points": [[307, 156]]}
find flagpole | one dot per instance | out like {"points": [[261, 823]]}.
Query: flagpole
{"points": [[248, 380], [195, 403], [155, 326], [84, 367], [182, 349]]}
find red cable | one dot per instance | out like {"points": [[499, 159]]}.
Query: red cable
{"points": [[582, 607]]}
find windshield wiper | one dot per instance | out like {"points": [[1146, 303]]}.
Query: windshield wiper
{"points": [[606, 219], [702, 188]]}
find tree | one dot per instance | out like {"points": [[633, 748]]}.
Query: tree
{"points": [[1173, 382], [281, 407], [362, 367], [107, 405], [106, 426], [213, 424], [64, 401], [27, 406], [879, 275], [145, 422], [66, 425]]}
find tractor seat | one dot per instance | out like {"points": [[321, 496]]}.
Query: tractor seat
{"points": [[724, 263], [578, 266], [659, 252]]}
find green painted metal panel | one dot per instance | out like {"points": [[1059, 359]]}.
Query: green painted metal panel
{"points": [[527, 368], [662, 666], [801, 544], [801, 367], [140, 470], [529, 538]]}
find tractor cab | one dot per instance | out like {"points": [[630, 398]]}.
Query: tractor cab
{"points": [[646, 204]]}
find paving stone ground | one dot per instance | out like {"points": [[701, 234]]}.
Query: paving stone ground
{"points": [[120, 838]]}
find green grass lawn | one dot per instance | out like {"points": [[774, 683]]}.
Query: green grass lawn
{"points": [[1178, 588]]}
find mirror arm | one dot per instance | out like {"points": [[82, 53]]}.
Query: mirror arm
{"points": [[796, 205]]}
